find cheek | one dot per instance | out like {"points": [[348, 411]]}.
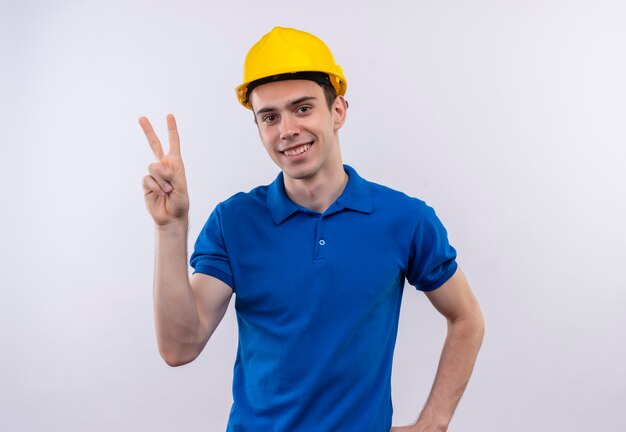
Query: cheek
{"points": [[267, 146], [266, 138]]}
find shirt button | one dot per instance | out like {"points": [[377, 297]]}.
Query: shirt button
{"points": [[322, 242]]}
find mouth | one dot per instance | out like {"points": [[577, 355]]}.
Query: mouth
{"points": [[296, 151]]}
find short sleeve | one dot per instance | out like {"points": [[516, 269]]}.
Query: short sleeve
{"points": [[432, 260], [209, 255]]}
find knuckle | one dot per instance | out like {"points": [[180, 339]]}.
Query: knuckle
{"points": [[148, 182], [152, 168]]}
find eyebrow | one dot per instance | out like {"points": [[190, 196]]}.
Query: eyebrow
{"points": [[292, 103]]}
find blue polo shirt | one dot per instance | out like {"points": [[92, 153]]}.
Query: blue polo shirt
{"points": [[317, 298]]}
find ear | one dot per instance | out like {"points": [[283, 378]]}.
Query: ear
{"points": [[339, 111]]}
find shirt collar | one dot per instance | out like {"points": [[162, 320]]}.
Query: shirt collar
{"points": [[357, 196]]}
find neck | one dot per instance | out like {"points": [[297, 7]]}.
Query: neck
{"points": [[320, 191]]}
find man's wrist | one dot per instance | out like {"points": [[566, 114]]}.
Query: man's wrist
{"points": [[432, 420], [175, 227]]}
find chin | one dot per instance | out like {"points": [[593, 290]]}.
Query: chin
{"points": [[301, 173]]}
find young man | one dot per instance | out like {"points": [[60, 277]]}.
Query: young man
{"points": [[317, 261]]}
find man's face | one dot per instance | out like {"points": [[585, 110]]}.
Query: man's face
{"points": [[298, 130]]}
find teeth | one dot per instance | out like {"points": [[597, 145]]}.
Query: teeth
{"points": [[298, 150]]}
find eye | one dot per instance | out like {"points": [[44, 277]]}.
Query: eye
{"points": [[304, 109], [270, 118]]}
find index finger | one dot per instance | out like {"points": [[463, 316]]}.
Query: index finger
{"points": [[172, 131], [153, 139]]}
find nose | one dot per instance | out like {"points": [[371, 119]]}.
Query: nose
{"points": [[288, 127]]}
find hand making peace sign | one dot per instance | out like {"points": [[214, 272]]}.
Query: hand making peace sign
{"points": [[165, 189]]}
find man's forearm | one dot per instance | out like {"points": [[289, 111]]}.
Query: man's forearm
{"points": [[455, 368], [175, 311]]}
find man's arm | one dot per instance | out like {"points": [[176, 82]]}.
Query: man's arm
{"points": [[456, 302], [186, 311]]}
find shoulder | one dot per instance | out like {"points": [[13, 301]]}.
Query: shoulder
{"points": [[392, 200], [407, 213], [245, 201], [238, 210], [390, 204]]}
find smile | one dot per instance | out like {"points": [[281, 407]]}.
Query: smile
{"points": [[297, 150]]}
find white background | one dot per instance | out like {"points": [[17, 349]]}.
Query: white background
{"points": [[508, 117]]}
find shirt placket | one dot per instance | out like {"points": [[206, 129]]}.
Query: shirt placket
{"points": [[319, 239]]}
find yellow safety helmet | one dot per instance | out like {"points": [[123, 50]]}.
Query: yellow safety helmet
{"points": [[284, 51]]}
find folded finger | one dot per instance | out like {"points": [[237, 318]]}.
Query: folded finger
{"points": [[156, 172], [152, 137], [150, 185]]}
